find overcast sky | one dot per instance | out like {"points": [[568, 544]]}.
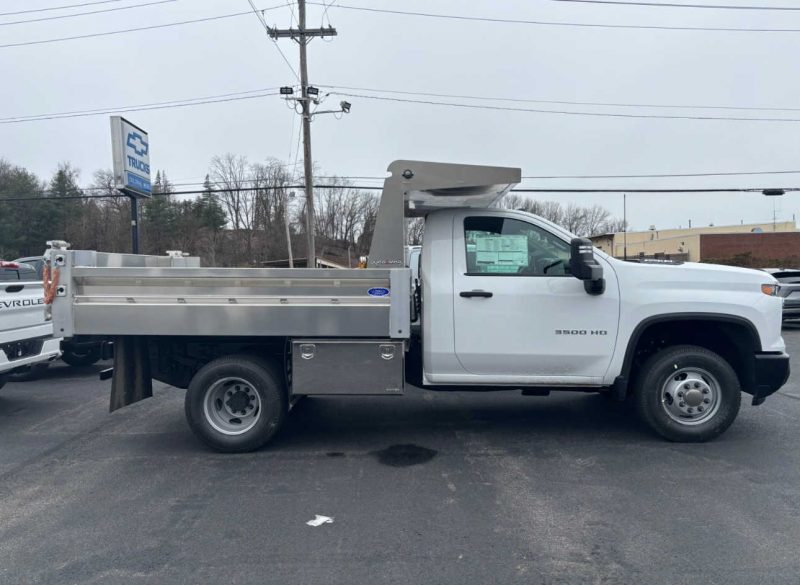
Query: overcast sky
{"points": [[427, 55]]}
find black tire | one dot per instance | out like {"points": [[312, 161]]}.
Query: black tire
{"points": [[655, 384], [256, 375], [28, 373], [81, 356], [3, 380]]}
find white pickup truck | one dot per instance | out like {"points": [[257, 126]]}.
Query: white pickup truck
{"points": [[26, 336], [503, 300]]}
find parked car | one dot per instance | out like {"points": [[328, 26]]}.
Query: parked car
{"points": [[78, 352], [17, 271], [35, 262], [26, 334], [789, 290]]}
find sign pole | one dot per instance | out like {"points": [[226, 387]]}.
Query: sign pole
{"points": [[134, 223]]}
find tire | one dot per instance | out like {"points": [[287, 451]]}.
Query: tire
{"points": [[3, 380], [236, 385], [81, 356], [687, 394], [28, 373]]}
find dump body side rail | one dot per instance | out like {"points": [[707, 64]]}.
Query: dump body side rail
{"points": [[121, 294]]}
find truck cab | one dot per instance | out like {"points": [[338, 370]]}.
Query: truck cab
{"points": [[512, 312], [502, 300]]}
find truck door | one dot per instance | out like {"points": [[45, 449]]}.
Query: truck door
{"points": [[518, 313]]}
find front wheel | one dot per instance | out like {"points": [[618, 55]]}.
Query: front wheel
{"points": [[236, 404], [687, 394]]}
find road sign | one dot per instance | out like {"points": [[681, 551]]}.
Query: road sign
{"points": [[131, 148]]}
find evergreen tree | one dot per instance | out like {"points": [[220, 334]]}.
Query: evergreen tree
{"points": [[159, 216]]}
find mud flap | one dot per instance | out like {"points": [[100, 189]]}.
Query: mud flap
{"points": [[131, 381]]}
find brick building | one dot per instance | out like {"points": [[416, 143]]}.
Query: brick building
{"points": [[755, 245]]}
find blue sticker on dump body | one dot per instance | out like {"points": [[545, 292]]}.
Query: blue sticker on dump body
{"points": [[378, 292]]}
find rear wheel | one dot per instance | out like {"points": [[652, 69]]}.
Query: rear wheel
{"points": [[236, 404], [81, 356], [687, 394]]}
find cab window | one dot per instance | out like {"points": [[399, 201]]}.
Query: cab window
{"points": [[501, 246]]}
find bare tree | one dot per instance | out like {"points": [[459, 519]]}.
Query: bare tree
{"points": [[110, 226], [595, 219], [232, 175], [271, 179], [580, 220], [614, 225], [414, 231]]}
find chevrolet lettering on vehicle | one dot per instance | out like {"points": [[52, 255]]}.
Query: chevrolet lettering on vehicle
{"points": [[18, 303]]}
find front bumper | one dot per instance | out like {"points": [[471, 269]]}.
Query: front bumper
{"points": [[770, 372], [791, 310]]}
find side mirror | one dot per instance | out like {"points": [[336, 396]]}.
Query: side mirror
{"points": [[583, 266]]}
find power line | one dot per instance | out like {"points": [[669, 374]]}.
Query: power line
{"points": [[530, 177], [563, 102], [189, 192], [44, 18], [661, 176], [58, 7], [214, 98], [551, 23], [674, 5], [325, 12], [672, 191], [129, 30], [372, 178], [263, 22], [114, 108], [374, 188], [565, 112], [142, 108]]}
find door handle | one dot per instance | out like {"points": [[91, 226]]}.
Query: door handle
{"points": [[468, 294]]}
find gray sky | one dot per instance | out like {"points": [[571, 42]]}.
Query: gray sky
{"points": [[419, 54]]}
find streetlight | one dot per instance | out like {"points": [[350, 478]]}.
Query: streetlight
{"points": [[773, 193]]}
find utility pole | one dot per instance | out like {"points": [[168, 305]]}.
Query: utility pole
{"points": [[311, 253], [625, 226], [303, 36], [286, 197], [774, 193]]}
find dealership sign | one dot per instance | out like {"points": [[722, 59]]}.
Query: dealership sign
{"points": [[131, 148]]}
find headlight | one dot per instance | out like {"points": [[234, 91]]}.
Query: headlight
{"points": [[770, 289]]}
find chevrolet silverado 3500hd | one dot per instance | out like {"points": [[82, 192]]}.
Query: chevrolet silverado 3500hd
{"points": [[504, 300], [26, 335]]}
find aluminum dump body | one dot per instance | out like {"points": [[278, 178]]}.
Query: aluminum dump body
{"points": [[123, 294], [130, 295]]}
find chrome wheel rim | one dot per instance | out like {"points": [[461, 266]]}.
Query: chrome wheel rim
{"points": [[690, 396], [232, 406]]}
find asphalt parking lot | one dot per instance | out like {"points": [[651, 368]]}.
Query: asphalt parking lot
{"points": [[427, 488]]}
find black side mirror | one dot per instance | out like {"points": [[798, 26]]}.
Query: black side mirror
{"points": [[583, 266]]}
